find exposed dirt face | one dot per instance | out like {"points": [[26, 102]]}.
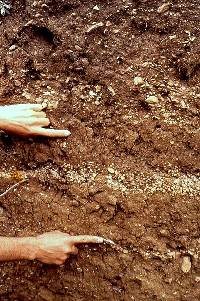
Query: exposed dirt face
{"points": [[129, 171]]}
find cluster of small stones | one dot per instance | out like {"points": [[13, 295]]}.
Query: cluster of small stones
{"points": [[47, 96], [153, 182], [174, 182]]}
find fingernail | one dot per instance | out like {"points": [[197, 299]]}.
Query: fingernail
{"points": [[67, 133], [108, 241]]}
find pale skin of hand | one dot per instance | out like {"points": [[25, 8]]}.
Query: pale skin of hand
{"points": [[27, 120], [50, 248]]}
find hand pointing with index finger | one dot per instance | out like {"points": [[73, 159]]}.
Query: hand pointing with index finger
{"points": [[27, 120], [55, 247]]}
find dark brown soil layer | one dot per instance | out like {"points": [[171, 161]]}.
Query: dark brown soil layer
{"points": [[130, 171]]}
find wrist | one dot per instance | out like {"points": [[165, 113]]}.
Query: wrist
{"points": [[27, 247]]}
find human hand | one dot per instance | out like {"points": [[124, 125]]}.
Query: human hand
{"points": [[55, 247], [27, 120]]}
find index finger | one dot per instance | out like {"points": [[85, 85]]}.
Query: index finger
{"points": [[39, 131], [85, 239]]}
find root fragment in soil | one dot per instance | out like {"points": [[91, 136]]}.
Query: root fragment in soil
{"points": [[12, 187]]}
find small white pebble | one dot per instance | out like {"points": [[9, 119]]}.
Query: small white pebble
{"points": [[112, 91], [172, 37], [92, 93], [53, 104], [96, 8], [125, 251], [13, 47], [111, 170], [138, 81], [186, 264], [108, 23], [26, 95], [197, 278], [151, 100], [98, 88]]}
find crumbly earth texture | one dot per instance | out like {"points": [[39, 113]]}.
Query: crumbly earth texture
{"points": [[123, 76]]}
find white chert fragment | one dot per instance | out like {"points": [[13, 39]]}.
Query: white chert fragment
{"points": [[186, 264], [138, 80], [152, 100], [96, 7]]}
